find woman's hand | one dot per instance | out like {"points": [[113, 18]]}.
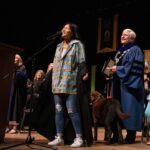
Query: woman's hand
{"points": [[85, 77]]}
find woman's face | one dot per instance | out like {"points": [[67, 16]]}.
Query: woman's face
{"points": [[39, 75], [17, 60], [66, 32]]}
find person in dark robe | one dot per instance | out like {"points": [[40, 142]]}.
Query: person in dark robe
{"points": [[17, 96], [43, 116], [37, 83], [84, 104], [129, 69]]}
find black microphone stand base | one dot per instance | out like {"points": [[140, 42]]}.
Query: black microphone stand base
{"points": [[28, 143]]}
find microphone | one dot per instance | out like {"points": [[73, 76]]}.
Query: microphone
{"points": [[54, 36]]}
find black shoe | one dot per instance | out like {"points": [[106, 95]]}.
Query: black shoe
{"points": [[130, 138], [1, 141], [129, 141], [144, 132]]}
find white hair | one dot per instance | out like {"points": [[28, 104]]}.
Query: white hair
{"points": [[132, 34]]}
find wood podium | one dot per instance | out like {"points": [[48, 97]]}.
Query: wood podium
{"points": [[7, 55]]}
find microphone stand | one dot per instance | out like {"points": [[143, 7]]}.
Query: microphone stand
{"points": [[30, 139]]}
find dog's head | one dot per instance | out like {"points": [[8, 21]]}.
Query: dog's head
{"points": [[95, 95]]}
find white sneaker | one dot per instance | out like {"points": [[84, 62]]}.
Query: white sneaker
{"points": [[78, 142], [57, 141], [12, 131]]}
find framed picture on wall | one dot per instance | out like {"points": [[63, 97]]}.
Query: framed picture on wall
{"points": [[107, 34]]}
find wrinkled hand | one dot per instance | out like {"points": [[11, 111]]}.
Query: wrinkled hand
{"points": [[112, 69]]}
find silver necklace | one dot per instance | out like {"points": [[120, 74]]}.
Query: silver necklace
{"points": [[119, 55]]}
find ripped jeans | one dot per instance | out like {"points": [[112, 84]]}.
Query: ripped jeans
{"points": [[70, 101]]}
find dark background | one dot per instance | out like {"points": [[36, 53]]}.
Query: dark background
{"points": [[27, 23]]}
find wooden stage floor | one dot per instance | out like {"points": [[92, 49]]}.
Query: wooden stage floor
{"points": [[19, 139]]}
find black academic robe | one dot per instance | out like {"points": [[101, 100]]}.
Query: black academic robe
{"points": [[18, 94], [84, 105], [43, 116]]}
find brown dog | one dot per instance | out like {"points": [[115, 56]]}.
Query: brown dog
{"points": [[107, 112]]}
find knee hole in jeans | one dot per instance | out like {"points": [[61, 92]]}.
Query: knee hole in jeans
{"points": [[58, 107]]}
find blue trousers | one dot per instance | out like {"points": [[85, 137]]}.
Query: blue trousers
{"points": [[70, 102]]}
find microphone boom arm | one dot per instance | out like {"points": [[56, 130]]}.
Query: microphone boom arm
{"points": [[54, 36]]}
